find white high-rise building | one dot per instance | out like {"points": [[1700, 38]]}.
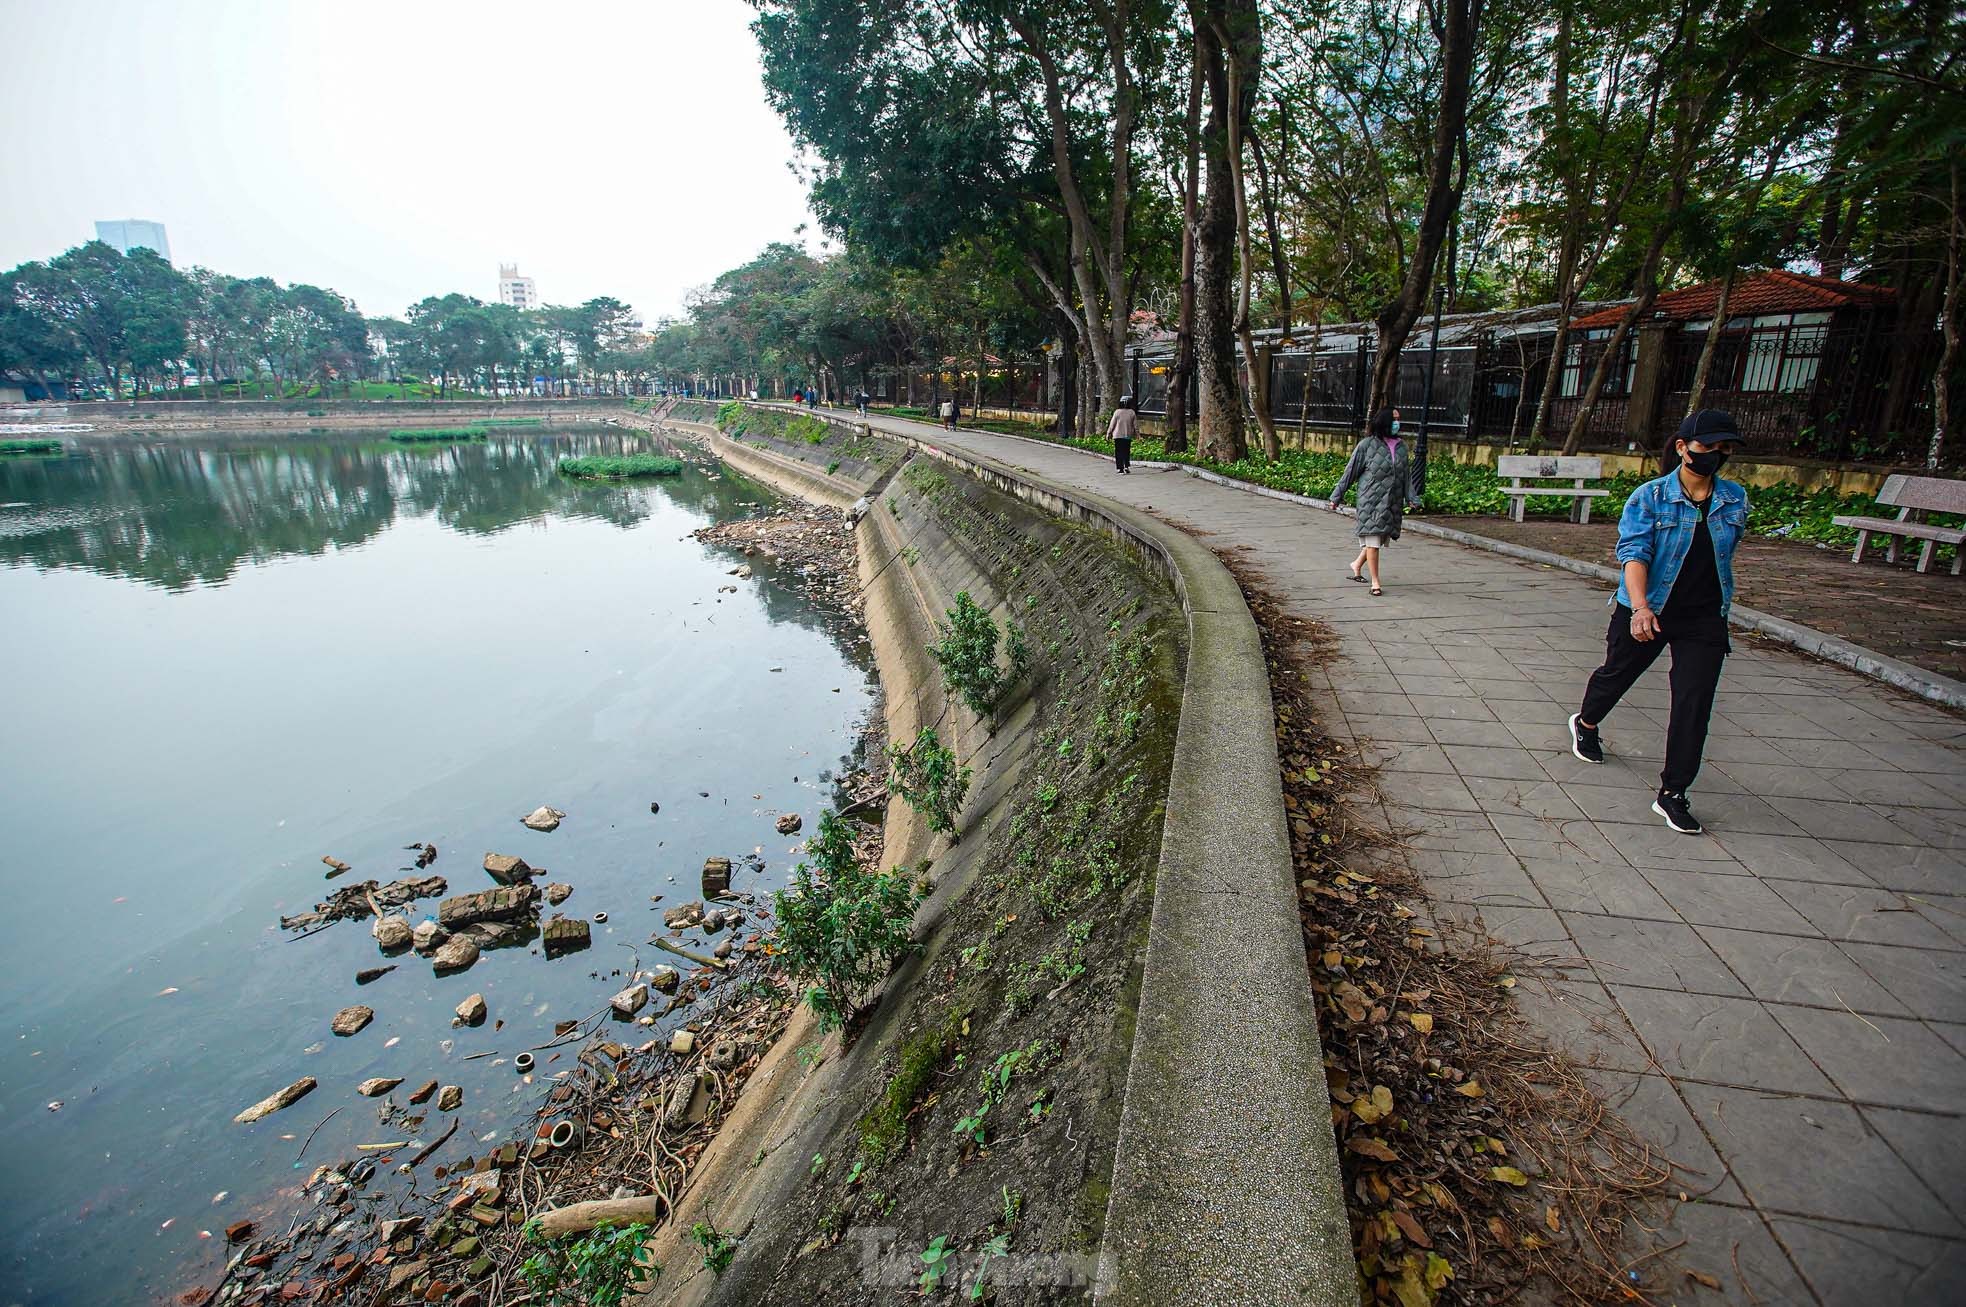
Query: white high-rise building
{"points": [[128, 234], [515, 290]]}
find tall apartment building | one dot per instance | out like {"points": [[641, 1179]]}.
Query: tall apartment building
{"points": [[515, 290], [128, 234]]}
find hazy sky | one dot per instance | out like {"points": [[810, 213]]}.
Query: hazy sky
{"points": [[392, 150]]}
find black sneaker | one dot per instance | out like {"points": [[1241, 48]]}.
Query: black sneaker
{"points": [[1583, 740], [1678, 816]]}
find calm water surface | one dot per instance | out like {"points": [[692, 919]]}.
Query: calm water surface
{"points": [[225, 659]]}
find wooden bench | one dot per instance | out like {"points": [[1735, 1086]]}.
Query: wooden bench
{"points": [[1913, 497], [1579, 470]]}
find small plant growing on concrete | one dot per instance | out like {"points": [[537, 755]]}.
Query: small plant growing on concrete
{"points": [[717, 1245], [925, 774], [841, 926], [936, 1260], [596, 1268], [966, 650]]}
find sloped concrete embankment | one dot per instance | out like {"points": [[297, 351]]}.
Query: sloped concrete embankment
{"points": [[1203, 1168]]}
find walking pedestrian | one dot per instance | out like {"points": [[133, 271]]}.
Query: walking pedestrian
{"points": [[860, 402], [798, 395], [1378, 467], [1121, 430], [951, 410], [1676, 543]]}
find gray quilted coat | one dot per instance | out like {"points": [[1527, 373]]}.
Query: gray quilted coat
{"points": [[1381, 480]]}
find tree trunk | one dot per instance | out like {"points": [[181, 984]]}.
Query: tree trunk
{"points": [[1224, 438], [1949, 326], [1068, 378], [1710, 346], [1395, 321], [1176, 438]]}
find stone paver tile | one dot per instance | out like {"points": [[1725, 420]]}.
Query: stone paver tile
{"points": [[1791, 857], [1726, 1040], [1659, 954], [1832, 754], [1952, 1034], [1566, 768], [1880, 1059], [1719, 809], [1841, 821], [1539, 797], [1946, 911], [1651, 844], [1862, 1265], [1600, 888], [1931, 1143], [1792, 969], [1782, 726], [1579, 1019], [1903, 867], [1430, 792], [1858, 912], [1406, 756], [1550, 734], [1491, 735], [1377, 726], [1485, 880], [1910, 756], [1377, 703], [1933, 827], [1895, 788], [1783, 780], [1533, 931], [1731, 1244], [1741, 748], [1415, 683], [1474, 760], [1651, 1106], [1495, 689], [1705, 899], [1552, 840], [1814, 1157], [1450, 707], [1621, 803], [1931, 983]]}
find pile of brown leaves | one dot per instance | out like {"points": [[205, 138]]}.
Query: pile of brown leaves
{"points": [[1476, 1161]]}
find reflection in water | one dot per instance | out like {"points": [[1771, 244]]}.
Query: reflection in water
{"points": [[176, 514]]}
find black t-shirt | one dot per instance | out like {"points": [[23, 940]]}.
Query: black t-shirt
{"points": [[1696, 590]]}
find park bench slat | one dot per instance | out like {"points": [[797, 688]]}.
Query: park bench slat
{"points": [[1909, 494], [1577, 469]]}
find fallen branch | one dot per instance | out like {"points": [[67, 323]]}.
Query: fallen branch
{"points": [[423, 1153], [699, 959], [582, 1217]]}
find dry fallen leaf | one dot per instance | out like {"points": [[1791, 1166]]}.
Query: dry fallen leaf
{"points": [[1508, 1175], [1703, 1278], [1422, 1022], [1554, 1219], [1415, 1233], [1375, 1109], [1471, 1089], [1366, 1146]]}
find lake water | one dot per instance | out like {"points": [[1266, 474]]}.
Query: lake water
{"points": [[223, 659]]}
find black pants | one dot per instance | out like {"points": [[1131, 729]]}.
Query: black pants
{"points": [[1122, 452], [1699, 646]]}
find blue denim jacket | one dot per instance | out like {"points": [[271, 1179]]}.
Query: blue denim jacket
{"points": [[1657, 529]]}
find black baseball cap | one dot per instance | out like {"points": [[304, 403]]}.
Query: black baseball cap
{"points": [[1710, 426]]}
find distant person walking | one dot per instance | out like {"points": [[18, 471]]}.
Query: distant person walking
{"points": [[860, 402], [1676, 543], [951, 410], [798, 395], [1121, 430], [1378, 467]]}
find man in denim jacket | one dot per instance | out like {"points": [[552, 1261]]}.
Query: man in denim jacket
{"points": [[1676, 548]]}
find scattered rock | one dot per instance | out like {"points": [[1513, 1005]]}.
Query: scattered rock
{"points": [[502, 904], [665, 979], [426, 853], [450, 1098], [472, 1010], [722, 950], [682, 1042], [557, 893], [368, 974], [682, 916], [507, 869], [335, 865], [350, 1020], [728, 1053], [655, 807], [457, 955], [238, 1231], [716, 877], [378, 1086], [501, 934], [630, 1000], [427, 935], [392, 933], [743, 573], [790, 823], [287, 1097], [421, 1096], [566, 935], [543, 819], [393, 1230]]}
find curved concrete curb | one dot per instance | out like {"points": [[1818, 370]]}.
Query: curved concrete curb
{"points": [[1226, 1186]]}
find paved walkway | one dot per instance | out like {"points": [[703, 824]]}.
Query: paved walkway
{"points": [[1780, 1007]]}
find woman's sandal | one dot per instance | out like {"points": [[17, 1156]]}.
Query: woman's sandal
{"points": [[1377, 591], [1356, 576]]}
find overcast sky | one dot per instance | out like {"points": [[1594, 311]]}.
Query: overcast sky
{"points": [[392, 149]]}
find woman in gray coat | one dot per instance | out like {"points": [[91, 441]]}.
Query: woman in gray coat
{"points": [[1378, 468]]}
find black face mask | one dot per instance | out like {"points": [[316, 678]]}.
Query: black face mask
{"points": [[1705, 463]]}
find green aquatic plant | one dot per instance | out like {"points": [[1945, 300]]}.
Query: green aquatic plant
{"points": [[616, 466], [30, 446], [840, 925], [417, 435], [597, 1268], [926, 776]]}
